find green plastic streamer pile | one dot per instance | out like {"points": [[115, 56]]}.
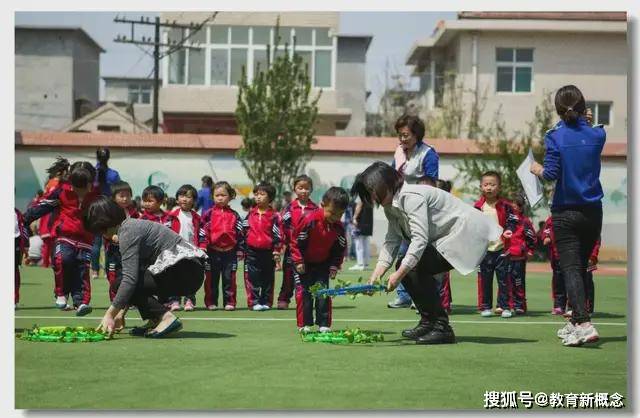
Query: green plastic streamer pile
{"points": [[62, 334], [347, 336]]}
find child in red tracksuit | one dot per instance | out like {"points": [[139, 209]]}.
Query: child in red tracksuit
{"points": [[317, 253], [558, 288], [21, 244], [292, 215], [152, 199], [497, 258], [186, 222], [57, 173], [222, 241], [73, 243], [521, 247], [263, 237], [122, 194]]}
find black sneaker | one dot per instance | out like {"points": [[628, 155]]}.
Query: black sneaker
{"points": [[418, 331], [438, 335]]}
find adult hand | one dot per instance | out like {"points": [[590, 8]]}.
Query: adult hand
{"points": [[536, 168], [394, 281], [119, 322], [376, 275], [300, 268], [107, 325]]}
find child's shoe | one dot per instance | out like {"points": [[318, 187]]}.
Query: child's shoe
{"points": [[506, 313], [188, 306], [229, 308], [61, 302], [174, 306], [83, 310], [212, 307], [257, 307], [498, 310], [305, 329], [486, 313], [324, 329], [557, 311], [520, 311], [283, 304]]}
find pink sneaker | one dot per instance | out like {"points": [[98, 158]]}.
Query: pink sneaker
{"points": [[229, 308], [283, 305], [520, 311], [188, 306], [498, 310], [212, 307], [175, 306], [557, 311]]}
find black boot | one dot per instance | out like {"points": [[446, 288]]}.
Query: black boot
{"points": [[439, 334], [418, 331]]}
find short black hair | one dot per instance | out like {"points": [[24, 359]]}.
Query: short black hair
{"points": [[120, 186], [247, 203], [102, 214], [185, 189], [225, 185], [59, 167], [379, 178], [303, 177], [444, 185], [85, 173], [337, 197], [492, 173], [520, 200], [170, 203], [414, 123], [267, 188], [207, 180], [154, 192]]}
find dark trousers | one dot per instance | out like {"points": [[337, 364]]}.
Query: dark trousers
{"points": [[95, 253], [113, 267], [576, 231], [494, 261], [443, 281], [16, 289], [558, 289], [225, 264], [182, 279], [71, 270], [286, 290], [423, 287], [259, 276], [517, 275], [314, 273]]}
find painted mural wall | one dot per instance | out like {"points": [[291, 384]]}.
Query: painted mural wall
{"points": [[170, 169]]}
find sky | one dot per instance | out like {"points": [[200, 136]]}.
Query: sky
{"points": [[393, 35]]}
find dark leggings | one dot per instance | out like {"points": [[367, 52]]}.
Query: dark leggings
{"points": [[182, 279], [576, 231]]}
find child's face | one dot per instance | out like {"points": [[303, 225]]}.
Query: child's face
{"points": [[406, 138], [262, 199], [490, 187], [302, 190], [185, 202], [221, 197], [151, 204], [123, 199], [332, 213]]}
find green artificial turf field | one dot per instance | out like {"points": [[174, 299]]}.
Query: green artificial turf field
{"points": [[256, 360]]}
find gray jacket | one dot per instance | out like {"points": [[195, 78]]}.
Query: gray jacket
{"points": [[424, 215]]}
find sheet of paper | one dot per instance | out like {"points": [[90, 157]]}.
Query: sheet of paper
{"points": [[530, 182]]}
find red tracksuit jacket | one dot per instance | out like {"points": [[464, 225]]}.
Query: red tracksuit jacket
{"points": [[132, 212], [222, 228], [263, 231], [173, 221], [68, 223], [547, 232], [507, 219], [523, 241], [161, 219], [293, 214], [318, 241]]}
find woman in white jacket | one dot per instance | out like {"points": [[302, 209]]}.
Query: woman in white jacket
{"points": [[443, 232]]}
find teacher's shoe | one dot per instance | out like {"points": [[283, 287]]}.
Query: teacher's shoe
{"points": [[418, 331], [581, 334], [175, 326], [142, 330], [440, 334]]}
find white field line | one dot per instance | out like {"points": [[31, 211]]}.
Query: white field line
{"points": [[557, 323]]}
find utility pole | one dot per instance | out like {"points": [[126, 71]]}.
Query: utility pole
{"points": [[171, 45]]}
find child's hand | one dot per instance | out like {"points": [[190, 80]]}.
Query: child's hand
{"points": [[114, 238], [546, 241], [333, 272], [593, 261], [507, 234], [300, 268]]}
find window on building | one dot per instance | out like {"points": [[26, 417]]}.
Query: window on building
{"points": [[139, 93], [514, 70], [601, 112], [227, 49], [109, 128]]}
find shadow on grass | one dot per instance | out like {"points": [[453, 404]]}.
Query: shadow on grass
{"points": [[607, 315], [479, 339], [604, 340], [196, 334]]}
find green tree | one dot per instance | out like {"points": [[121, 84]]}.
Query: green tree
{"points": [[504, 153], [276, 117]]}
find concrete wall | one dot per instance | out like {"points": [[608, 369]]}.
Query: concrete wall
{"points": [[86, 71], [350, 83], [312, 19], [595, 62], [43, 80], [172, 168], [118, 91]]}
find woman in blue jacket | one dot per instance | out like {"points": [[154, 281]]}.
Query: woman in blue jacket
{"points": [[572, 160]]}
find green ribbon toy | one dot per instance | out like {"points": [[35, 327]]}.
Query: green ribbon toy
{"points": [[62, 334], [347, 336]]}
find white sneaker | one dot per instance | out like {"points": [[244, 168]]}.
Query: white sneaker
{"points": [[506, 313], [324, 329], [304, 329], [486, 313], [83, 310], [356, 267], [257, 307], [580, 335], [265, 307], [565, 331], [61, 302]]}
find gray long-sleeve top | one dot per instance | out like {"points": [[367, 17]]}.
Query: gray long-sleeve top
{"points": [[146, 245]]}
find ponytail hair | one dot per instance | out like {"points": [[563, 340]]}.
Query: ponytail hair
{"points": [[570, 104], [102, 155], [60, 167]]}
